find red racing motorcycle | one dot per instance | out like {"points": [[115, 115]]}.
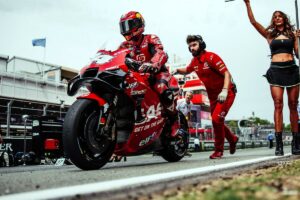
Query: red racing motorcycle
{"points": [[120, 114]]}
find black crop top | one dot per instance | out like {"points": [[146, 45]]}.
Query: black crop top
{"points": [[282, 46]]}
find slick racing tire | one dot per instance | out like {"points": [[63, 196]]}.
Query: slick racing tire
{"points": [[176, 149], [83, 144]]}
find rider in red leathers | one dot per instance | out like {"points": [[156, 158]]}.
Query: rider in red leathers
{"points": [[148, 49]]}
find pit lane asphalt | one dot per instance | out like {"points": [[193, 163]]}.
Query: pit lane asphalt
{"points": [[33, 178]]}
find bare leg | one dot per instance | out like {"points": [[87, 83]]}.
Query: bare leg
{"points": [[277, 95], [293, 95]]}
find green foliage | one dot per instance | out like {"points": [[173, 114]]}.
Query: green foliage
{"points": [[287, 128], [232, 124], [259, 121]]}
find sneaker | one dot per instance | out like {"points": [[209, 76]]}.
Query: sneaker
{"points": [[232, 146], [216, 155]]}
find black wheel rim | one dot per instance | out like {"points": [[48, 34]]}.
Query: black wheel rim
{"points": [[179, 145], [92, 145]]}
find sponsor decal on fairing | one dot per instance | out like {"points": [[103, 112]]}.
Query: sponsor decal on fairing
{"points": [[147, 139]]}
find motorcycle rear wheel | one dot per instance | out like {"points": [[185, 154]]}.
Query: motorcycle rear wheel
{"points": [[86, 148], [175, 150]]}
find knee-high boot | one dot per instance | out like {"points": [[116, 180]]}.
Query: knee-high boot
{"points": [[296, 144], [279, 144]]}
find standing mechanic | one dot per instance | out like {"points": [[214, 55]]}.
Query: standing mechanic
{"points": [[221, 91]]}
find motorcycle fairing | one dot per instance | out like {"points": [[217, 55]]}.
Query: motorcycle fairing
{"points": [[98, 78], [151, 111], [113, 75], [92, 96], [101, 73]]}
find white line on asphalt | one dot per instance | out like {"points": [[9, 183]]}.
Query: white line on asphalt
{"points": [[106, 186]]}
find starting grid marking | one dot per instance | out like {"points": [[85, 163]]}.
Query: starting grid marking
{"points": [[106, 186]]}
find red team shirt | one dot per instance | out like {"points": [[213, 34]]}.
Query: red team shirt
{"points": [[210, 69]]}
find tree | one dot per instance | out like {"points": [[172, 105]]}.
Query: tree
{"points": [[232, 124], [259, 121]]}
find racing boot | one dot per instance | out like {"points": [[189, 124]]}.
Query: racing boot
{"points": [[169, 111], [296, 144], [279, 144]]}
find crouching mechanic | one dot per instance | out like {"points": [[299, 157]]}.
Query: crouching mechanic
{"points": [[148, 49], [221, 91]]}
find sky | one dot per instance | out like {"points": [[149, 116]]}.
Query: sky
{"points": [[75, 30]]}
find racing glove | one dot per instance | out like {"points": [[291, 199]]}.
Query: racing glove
{"points": [[223, 95], [147, 68]]}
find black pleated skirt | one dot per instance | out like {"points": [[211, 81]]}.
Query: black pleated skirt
{"points": [[283, 74]]}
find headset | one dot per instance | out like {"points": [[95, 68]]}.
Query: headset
{"points": [[201, 42]]}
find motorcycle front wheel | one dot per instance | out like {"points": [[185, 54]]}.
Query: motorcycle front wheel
{"points": [[85, 143]]}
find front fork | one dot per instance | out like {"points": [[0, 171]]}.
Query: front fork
{"points": [[107, 119]]}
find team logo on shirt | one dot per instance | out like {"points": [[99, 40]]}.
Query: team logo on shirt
{"points": [[219, 63], [221, 67], [205, 65]]}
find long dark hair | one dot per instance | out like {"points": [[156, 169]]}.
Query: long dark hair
{"points": [[288, 27]]}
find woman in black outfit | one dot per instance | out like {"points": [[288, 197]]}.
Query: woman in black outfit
{"points": [[283, 72]]}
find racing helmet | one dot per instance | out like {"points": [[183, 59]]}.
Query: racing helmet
{"points": [[132, 25]]}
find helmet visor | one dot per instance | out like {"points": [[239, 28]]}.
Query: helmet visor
{"points": [[127, 26]]}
